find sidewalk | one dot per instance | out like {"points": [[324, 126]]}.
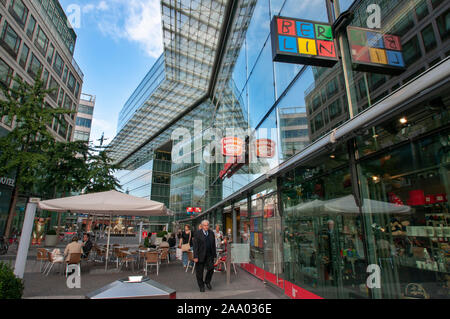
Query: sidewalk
{"points": [[93, 277]]}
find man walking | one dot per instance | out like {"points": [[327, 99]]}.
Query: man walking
{"points": [[204, 255]]}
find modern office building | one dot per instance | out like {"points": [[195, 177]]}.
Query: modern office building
{"points": [[34, 34], [365, 189], [84, 117], [293, 129]]}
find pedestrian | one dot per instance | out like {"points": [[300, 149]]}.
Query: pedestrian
{"points": [[204, 255], [186, 238], [218, 235]]}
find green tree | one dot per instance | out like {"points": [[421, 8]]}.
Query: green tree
{"points": [[65, 170], [101, 172], [23, 150]]}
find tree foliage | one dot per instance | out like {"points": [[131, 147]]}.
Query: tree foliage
{"points": [[24, 148]]}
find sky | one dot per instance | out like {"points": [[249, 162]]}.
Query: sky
{"points": [[117, 43]]}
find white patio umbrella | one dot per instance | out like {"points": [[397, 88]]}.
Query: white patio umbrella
{"points": [[308, 207], [347, 204], [110, 203]]}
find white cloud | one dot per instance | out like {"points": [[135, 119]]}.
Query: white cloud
{"points": [[133, 20]]}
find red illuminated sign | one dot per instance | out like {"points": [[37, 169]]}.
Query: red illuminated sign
{"points": [[265, 148], [190, 209], [197, 210], [232, 146]]}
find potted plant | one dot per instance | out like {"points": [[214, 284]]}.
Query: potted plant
{"points": [[11, 287], [51, 239], [146, 242]]}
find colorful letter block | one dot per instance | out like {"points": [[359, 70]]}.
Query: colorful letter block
{"points": [[303, 41], [287, 44], [373, 51]]}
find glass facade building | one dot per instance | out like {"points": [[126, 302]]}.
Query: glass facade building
{"points": [[358, 180]]}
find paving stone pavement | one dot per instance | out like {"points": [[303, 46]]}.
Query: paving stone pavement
{"points": [[93, 277]]}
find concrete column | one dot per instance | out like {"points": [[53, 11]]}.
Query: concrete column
{"points": [[234, 226], [24, 244]]}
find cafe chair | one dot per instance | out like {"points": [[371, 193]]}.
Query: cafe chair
{"points": [[190, 261], [164, 255], [52, 262], [41, 257], [125, 258], [152, 259], [74, 259]]}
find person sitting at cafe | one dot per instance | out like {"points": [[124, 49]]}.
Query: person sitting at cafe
{"points": [[87, 245], [164, 243], [172, 241], [73, 248]]}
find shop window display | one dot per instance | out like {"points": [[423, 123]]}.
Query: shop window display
{"points": [[409, 237], [322, 228], [256, 232]]}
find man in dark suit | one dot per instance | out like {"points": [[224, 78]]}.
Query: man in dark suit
{"points": [[204, 255]]}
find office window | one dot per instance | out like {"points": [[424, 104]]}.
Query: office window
{"points": [[60, 98], [10, 40], [332, 88], [45, 76], [50, 53], [62, 130], [67, 102], [376, 80], [71, 82], [85, 109], [429, 39], [58, 65], [335, 109], [19, 12], [325, 116], [318, 122], [24, 56], [81, 121], [31, 26], [443, 24], [421, 10], [34, 66], [66, 70], [411, 51], [41, 41], [55, 86], [81, 136], [6, 73], [404, 25], [77, 89]]}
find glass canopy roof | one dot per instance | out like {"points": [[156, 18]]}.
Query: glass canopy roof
{"points": [[191, 31]]}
